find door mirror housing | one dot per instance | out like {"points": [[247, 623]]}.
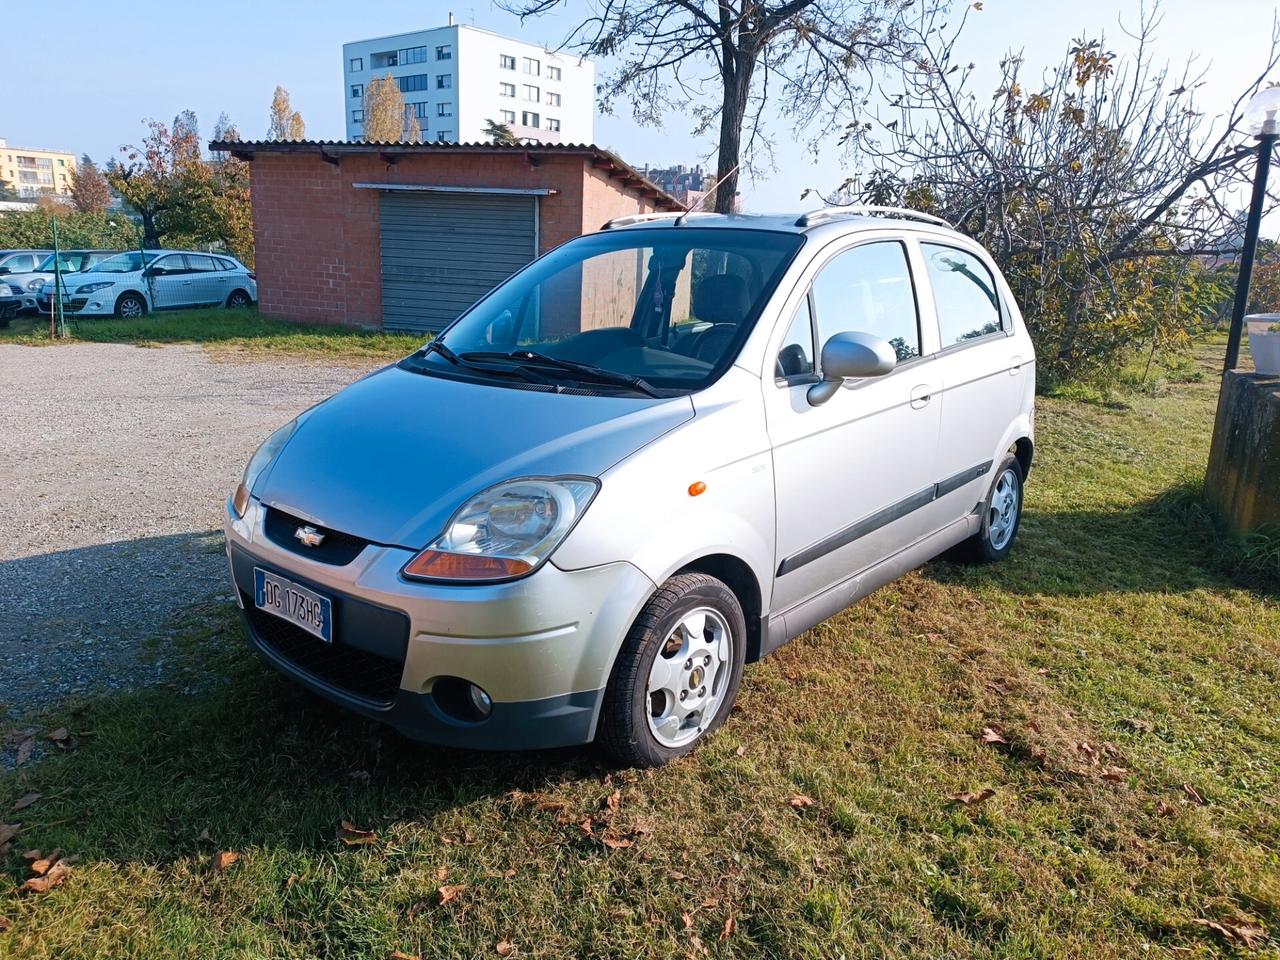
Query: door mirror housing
{"points": [[849, 355]]}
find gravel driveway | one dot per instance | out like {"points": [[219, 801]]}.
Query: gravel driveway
{"points": [[114, 465]]}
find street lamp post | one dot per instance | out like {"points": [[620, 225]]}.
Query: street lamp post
{"points": [[1261, 120]]}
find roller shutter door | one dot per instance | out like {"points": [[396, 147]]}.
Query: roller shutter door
{"points": [[441, 252]]}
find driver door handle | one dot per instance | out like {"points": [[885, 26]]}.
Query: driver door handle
{"points": [[920, 396]]}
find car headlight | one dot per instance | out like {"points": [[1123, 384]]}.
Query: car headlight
{"points": [[35, 284], [91, 287], [259, 462], [506, 531]]}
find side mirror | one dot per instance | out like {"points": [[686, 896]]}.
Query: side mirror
{"points": [[849, 355], [153, 272]]}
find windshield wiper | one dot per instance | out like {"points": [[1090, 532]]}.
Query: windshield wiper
{"points": [[584, 371], [435, 346]]}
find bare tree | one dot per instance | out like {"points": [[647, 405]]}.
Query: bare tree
{"points": [[286, 123], [1086, 182], [725, 60]]}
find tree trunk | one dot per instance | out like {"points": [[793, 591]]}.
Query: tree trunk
{"points": [[737, 87]]}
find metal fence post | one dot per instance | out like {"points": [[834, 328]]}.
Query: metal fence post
{"points": [[1265, 142]]}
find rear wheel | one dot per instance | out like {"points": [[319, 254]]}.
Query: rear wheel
{"points": [[1001, 516], [238, 298], [677, 675], [130, 305]]}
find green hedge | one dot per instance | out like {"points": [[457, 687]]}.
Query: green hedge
{"points": [[35, 229]]}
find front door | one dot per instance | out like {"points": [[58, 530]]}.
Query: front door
{"points": [[854, 475], [170, 283]]}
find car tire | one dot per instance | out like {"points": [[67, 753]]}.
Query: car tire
{"points": [[130, 305], [1001, 517], [671, 686], [238, 298]]}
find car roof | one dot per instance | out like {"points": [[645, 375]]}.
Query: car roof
{"points": [[6, 252], [845, 219]]}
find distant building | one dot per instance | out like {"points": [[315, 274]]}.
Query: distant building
{"points": [[689, 185], [32, 172], [456, 78]]}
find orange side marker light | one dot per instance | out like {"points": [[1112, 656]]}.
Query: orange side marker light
{"points": [[697, 488]]}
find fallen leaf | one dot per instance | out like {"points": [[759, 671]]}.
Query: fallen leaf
{"points": [[993, 735], [1191, 792], [30, 854], [1164, 810], [450, 892], [509, 873], [1242, 934], [800, 801], [1115, 774], [55, 876], [614, 801], [442, 874], [25, 801], [1042, 671], [24, 751], [741, 751], [43, 865], [8, 831], [688, 921], [972, 798], [61, 735], [677, 875], [225, 859], [353, 836], [616, 843], [730, 924], [998, 686], [1087, 751], [504, 948], [401, 955]]}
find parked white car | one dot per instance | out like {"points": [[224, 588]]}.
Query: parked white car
{"points": [[137, 282], [23, 286]]}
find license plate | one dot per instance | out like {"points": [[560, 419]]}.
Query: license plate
{"points": [[290, 601]]}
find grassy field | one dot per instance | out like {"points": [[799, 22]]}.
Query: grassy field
{"points": [[245, 334], [1115, 686]]}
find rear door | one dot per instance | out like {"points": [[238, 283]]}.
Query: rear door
{"points": [[209, 284], [853, 476], [980, 368]]}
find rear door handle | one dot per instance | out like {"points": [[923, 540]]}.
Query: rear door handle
{"points": [[1015, 366], [920, 396]]}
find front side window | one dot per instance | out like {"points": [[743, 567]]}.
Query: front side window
{"points": [[867, 289], [964, 294], [669, 305], [167, 266]]}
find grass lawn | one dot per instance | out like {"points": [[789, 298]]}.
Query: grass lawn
{"points": [[1125, 664], [246, 334]]}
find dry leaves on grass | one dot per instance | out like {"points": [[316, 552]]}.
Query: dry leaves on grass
{"points": [[225, 859], [24, 751], [504, 948], [25, 801], [353, 836], [614, 842], [730, 925], [993, 734], [972, 798], [40, 865], [8, 831], [61, 737], [613, 802], [1115, 774], [800, 801], [1243, 934], [1192, 794], [401, 955], [49, 876], [5, 924], [450, 892]]}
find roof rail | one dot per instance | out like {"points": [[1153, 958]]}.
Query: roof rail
{"points": [[641, 218], [814, 217]]}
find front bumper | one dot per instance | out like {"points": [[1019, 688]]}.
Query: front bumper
{"points": [[10, 307], [541, 647]]}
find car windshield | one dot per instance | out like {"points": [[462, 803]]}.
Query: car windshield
{"points": [[122, 262], [668, 307], [69, 261]]}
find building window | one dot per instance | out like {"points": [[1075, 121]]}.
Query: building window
{"points": [[508, 116], [416, 109], [357, 116], [388, 59], [357, 64], [506, 63], [444, 81], [506, 89], [553, 99], [532, 67], [413, 55], [553, 73], [444, 51], [357, 91], [414, 81], [444, 136], [530, 119], [553, 125], [444, 109], [531, 93]]}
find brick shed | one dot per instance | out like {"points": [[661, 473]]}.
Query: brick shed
{"points": [[407, 236]]}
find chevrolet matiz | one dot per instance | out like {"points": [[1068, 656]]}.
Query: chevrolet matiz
{"points": [[655, 454]]}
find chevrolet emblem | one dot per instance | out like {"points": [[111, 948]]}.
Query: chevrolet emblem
{"points": [[308, 536]]}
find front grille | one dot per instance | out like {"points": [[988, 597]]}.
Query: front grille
{"points": [[337, 548], [358, 672]]}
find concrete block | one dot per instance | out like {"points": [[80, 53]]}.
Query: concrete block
{"points": [[1243, 480]]}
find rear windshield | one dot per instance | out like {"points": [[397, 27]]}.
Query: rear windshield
{"points": [[669, 305]]}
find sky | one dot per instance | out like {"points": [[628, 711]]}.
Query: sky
{"points": [[109, 70]]}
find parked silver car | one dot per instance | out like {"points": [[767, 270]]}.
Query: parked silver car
{"points": [[656, 453]]}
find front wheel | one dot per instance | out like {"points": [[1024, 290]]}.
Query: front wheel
{"points": [[677, 674], [1001, 516], [129, 306]]}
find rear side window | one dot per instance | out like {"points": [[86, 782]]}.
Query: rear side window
{"points": [[867, 289], [964, 292], [225, 264]]}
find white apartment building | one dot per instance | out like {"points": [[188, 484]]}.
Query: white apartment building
{"points": [[456, 78]]}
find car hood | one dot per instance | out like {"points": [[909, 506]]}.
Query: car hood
{"points": [[393, 456]]}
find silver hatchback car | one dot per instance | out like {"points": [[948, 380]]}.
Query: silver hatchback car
{"points": [[657, 453]]}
